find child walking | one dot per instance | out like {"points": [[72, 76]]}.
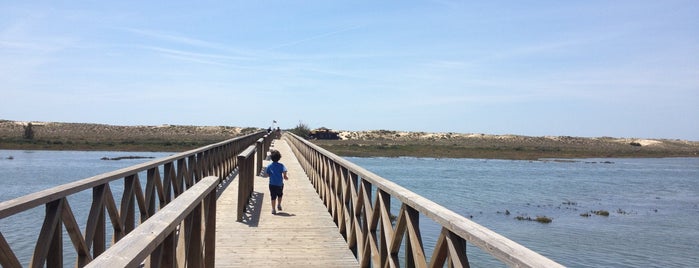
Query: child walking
{"points": [[277, 175]]}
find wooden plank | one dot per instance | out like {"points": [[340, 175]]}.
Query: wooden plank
{"points": [[440, 253], [127, 210], [303, 234], [153, 174], [414, 237], [139, 243], [113, 212], [44, 242], [96, 211], [457, 250], [7, 257], [76, 237], [210, 232]]}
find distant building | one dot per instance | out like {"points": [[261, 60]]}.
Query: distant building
{"points": [[323, 134]]}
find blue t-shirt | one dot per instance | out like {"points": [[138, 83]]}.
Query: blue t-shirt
{"points": [[275, 172]]}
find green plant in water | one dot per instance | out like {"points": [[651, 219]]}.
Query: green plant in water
{"points": [[540, 219], [543, 219]]}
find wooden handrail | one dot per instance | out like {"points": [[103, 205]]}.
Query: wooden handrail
{"points": [[160, 232], [359, 202], [11, 207], [249, 165], [166, 179]]}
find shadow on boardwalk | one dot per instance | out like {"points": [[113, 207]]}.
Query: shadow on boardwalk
{"points": [[253, 210], [301, 235]]}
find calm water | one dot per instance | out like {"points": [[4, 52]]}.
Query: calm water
{"points": [[653, 203], [33, 171]]}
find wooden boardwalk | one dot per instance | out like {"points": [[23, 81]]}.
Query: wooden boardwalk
{"points": [[303, 234]]}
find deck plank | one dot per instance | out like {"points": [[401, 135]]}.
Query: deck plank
{"points": [[301, 235]]}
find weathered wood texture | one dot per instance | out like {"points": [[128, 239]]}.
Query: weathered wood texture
{"points": [[359, 202], [165, 179], [246, 177], [303, 234], [352, 218], [188, 218]]}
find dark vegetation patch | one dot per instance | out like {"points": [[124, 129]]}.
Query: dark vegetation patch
{"points": [[539, 219], [511, 147], [125, 157], [566, 205], [96, 137]]}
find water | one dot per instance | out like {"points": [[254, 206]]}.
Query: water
{"points": [[653, 203], [33, 171]]}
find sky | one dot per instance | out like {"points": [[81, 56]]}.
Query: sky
{"points": [[537, 68]]}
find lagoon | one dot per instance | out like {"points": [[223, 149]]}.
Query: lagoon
{"points": [[653, 203]]}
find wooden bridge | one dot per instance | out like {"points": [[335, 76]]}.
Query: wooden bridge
{"points": [[208, 208]]}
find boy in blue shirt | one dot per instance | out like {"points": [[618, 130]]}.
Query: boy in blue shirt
{"points": [[277, 174]]}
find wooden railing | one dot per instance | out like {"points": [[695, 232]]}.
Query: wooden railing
{"points": [[192, 215], [166, 180], [249, 165], [246, 180], [360, 204]]}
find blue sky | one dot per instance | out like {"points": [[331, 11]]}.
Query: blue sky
{"points": [[575, 68]]}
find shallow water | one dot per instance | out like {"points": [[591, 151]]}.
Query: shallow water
{"points": [[653, 205], [32, 171], [658, 200]]}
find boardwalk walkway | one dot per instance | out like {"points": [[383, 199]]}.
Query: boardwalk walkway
{"points": [[301, 235]]}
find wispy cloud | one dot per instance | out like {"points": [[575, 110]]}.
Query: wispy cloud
{"points": [[174, 42], [207, 58], [316, 37], [174, 38]]}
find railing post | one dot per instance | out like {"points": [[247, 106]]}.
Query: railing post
{"points": [[266, 141], [246, 176], [242, 170], [210, 232], [260, 155]]}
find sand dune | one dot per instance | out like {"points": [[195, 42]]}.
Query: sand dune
{"points": [[85, 136]]}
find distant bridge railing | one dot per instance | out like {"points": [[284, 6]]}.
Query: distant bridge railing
{"points": [[359, 202], [186, 226]]}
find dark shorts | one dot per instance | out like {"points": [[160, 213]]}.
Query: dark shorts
{"points": [[276, 191]]}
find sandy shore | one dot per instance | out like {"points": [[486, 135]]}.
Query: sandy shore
{"points": [[174, 138], [476, 145]]}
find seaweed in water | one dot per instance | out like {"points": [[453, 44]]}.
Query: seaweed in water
{"points": [[125, 157]]}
